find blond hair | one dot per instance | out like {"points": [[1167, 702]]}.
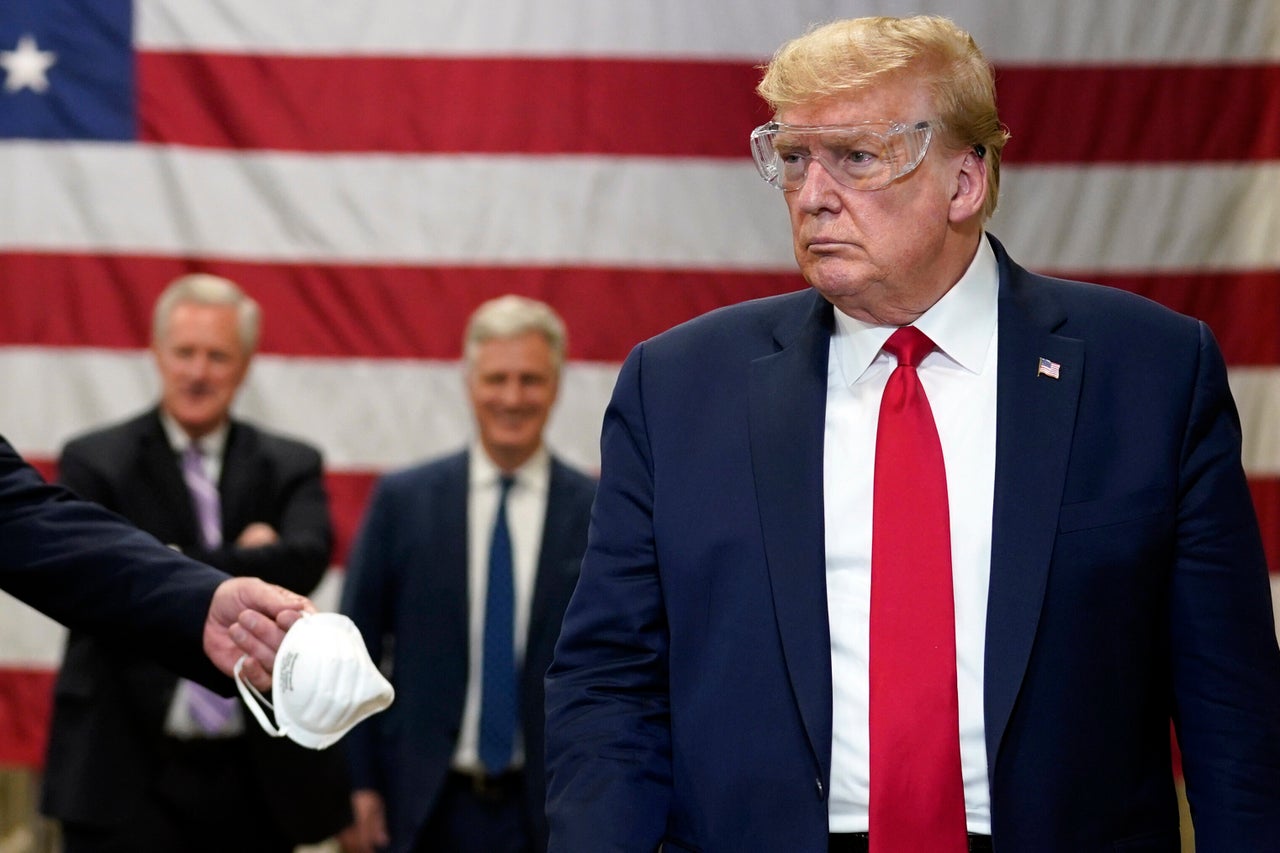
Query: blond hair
{"points": [[851, 55]]}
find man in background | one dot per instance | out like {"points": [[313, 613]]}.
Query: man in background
{"points": [[458, 581], [139, 759]]}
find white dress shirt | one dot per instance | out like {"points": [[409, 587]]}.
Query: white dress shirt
{"points": [[960, 381], [526, 514]]}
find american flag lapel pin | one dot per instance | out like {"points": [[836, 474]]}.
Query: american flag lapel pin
{"points": [[1048, 368]]}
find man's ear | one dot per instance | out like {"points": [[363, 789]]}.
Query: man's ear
{"points": [[970, 187]]}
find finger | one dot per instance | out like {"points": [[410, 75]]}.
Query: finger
{"points": [[261, 628], [253, 672], [286, 618], [261, 657]]}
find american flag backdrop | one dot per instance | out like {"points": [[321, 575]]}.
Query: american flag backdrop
{"points": [[371, 170]]}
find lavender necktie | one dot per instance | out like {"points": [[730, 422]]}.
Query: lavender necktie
{"points": [[210, 711]]}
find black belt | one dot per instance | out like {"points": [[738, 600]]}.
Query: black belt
{"points": [[856, 842], [488, 787]]}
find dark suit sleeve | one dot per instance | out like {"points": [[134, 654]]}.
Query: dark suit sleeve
{"points": [[298, 508], [1226, 664], [608, 723], [92, 571], [365, 592]]}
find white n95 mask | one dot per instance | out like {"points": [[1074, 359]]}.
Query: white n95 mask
{"points": [[323, 682]]}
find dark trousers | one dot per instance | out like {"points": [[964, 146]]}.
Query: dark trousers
{"points": [[199, 802], [478, 816]]}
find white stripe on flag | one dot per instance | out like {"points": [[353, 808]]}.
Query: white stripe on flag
{"points": [[613, 211], [341, 405], [1008, 30]]}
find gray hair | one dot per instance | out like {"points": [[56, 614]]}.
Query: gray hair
{"points": [[509, 317], [205, 289]]}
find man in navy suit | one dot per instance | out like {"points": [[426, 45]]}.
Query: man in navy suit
{"points": [[134, 760], [712, 688], [420, 585]]}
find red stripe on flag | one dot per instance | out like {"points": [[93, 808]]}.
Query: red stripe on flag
{"points": [[26, 705], [1266, 500], [1141, 114], [1240, 307], [360, 311], [643, 107], [348, 495], [412, 104], [420, 312]]}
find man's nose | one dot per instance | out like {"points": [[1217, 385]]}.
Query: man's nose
{"points": [[198, 367], [818, 190], [509, 393]]}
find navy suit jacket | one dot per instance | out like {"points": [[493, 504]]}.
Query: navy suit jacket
{"points": [[406, 589], [110, 704], [690, 698]]}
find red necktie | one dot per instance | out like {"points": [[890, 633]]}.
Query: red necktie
{"points": [[916, 786]]}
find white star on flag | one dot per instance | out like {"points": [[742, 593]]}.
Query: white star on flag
{"points": [[27, 66]]}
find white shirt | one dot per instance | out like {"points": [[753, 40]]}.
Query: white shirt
{"points": [[526, 514], [960, 381], [211, 445]]}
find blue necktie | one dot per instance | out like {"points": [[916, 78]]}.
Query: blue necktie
{"points": [[498, 693]]}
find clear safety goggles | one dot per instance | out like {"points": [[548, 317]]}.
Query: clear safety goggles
{"points": [[865, 156]]}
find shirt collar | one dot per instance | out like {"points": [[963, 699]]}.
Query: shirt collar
{"points": [[483, 473], [211, 445], [961, 323]]}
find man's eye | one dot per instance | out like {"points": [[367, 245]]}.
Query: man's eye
{"points": [[852, 157]]}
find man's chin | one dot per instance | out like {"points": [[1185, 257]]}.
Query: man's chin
{"points": [[835, 283], [197, 423]]}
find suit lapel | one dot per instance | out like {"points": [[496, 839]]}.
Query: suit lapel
{"points": [[160, 468], [787, 405], [443, 541], [1034, 423], [236, 482]]}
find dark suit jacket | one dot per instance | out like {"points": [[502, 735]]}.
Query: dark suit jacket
{"points": [[109, 704], [92, 571], [406, 588], [690, 698]]}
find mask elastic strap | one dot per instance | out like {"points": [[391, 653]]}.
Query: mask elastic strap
{"points": [[245, 687]]}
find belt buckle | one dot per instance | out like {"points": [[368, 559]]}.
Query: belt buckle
{"points": [[487, 787]]}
